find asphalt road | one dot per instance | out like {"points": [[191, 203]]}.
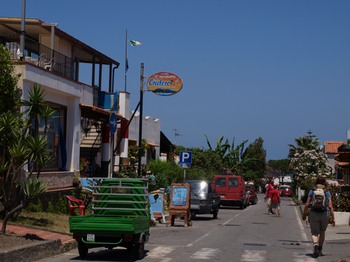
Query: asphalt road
{"points": [[237, 235]]}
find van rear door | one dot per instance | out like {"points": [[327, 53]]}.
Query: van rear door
{"points": [[234, 188], [220, 185]]}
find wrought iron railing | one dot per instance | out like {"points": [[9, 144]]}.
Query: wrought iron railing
{"points": [[40, 55]]}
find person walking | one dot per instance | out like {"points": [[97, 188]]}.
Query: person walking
{"points": [[320, 203], [269, 188], [276, 201]]}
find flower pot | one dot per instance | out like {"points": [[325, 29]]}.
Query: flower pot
{"points": [[82, 175]]}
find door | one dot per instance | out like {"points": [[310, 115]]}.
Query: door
{"points": [[234, 186]]}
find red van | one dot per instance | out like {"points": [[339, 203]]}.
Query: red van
{"points": [[231, 189]]}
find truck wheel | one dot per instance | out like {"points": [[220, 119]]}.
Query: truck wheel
{"points": [[83, 249], [139, 249], [215, 214]]}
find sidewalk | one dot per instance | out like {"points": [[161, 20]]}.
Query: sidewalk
{"points": [[53, 243], [339, 234]]}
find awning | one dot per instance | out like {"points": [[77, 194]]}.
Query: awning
{"points": [[343, 157], [155, 145], [96, 113]]}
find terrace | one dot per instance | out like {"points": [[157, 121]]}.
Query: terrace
{"points": [[65, 55]]}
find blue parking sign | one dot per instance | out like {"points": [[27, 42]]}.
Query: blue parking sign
{"points": [[185, 159]]}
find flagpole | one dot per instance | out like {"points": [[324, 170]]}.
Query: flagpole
{"points": [[126, 56]]}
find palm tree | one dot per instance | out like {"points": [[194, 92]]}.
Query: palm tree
{"points": [[309, 142]]}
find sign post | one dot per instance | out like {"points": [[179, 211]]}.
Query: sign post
{"points": [[185, 161]]}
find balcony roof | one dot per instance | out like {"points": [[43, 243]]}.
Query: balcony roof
{"points": [[34, 28]]}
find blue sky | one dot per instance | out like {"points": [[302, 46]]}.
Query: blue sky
{"points": [[250, 69]]}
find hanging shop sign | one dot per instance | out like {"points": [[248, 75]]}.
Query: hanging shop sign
{"points": [[164, 84]]}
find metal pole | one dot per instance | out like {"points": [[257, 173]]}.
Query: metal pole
{"points": [[22, 36], [126, 56], [140, 124]]}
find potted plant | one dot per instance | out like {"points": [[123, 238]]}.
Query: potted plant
{"points": [[76, 179], [83, 166]]}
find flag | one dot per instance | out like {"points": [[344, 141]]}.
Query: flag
{"points": [[133, 43]]}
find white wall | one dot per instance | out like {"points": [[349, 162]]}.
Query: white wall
{"points": [[61, 91]]}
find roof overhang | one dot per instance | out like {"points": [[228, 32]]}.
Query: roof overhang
{"points": [[35, 27], [154, 145], [343, 157], [96, 113]]}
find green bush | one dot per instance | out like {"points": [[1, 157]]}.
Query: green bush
{"points": [[61, 205], [50, 208], [35, 207], [341, 198]]}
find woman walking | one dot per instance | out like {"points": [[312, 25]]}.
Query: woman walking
{"points": [[320, 203]]}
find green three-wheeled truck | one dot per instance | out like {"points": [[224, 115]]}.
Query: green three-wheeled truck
{"points": [[120, 216]]}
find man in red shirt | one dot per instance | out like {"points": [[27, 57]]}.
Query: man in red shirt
{"points": [[269, 188], [276, 200]]}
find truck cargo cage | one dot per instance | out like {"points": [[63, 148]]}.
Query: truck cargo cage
{"points": [[119, 194]]}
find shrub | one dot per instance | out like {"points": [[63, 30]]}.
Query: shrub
{"points": [[341, 198]]}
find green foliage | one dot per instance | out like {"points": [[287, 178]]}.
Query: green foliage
{"points": [[61, 206], [133, 152], [256, 168], [279, 167], [33, 188], [304, 143], [35, 207], [50, 208], [164, 173], [341, 198]]}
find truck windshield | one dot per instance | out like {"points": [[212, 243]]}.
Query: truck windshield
{"points": [[199, 190]]}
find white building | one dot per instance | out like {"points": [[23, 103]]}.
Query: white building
{"points": [[51, 59]]}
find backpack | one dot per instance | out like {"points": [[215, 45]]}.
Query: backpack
{"points": [[319, 201]]}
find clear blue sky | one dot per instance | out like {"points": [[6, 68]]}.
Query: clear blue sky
{"points": [[269, 69]]}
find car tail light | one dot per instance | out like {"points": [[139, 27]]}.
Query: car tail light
{"points": [[127, 237]]}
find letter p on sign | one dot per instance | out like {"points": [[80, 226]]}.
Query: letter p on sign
{"points": [[185, 157]]}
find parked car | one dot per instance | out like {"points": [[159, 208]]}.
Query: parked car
{"points": [[285, 190], [203, 200], [232, 190], [253, 196]]}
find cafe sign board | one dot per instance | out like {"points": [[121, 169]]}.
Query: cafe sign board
{"points": [[164, 84]]}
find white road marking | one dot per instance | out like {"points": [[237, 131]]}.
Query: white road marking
{"points": [[166, 259], [160, 252], [205, 253], [254, 255], [199, 239], [303, 234]]}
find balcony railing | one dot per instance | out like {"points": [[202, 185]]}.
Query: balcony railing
{"points": [[40, 55]]}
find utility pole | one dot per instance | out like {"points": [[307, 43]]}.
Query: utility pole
{"points": [[176, 134]]}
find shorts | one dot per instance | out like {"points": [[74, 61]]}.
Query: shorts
{"points": [[276, 205], [269, 203], [318, 222]]}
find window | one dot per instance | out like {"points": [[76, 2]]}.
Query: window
{"points": [[56, 137], [233, 182], [220, 182]]}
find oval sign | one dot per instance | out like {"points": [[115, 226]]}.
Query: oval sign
{"points": [[164, 84]]}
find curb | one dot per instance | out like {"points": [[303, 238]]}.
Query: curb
{"points": [[32, 252]]}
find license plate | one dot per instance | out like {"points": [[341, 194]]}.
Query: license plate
{"points": [[222, 196], [90, 237]]}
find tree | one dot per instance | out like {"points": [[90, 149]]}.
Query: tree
{"points": [[309, 142], [257, 168], [307, 166], [279, 168], [17, 146]]}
